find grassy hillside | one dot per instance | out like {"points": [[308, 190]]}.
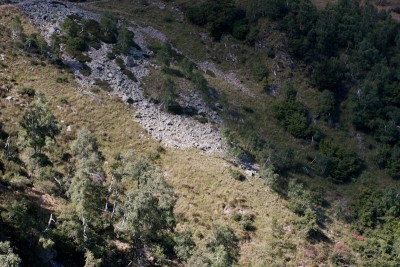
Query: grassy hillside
{"points": [[207, 194], [255, 113], [308, 220]]}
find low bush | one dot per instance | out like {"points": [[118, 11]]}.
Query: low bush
{"points": [[29, 91], [62, 79], [271, 179], [104, 85], [85, 70], [245, 221], [237, 175], [109, 27], [240, 29], [125, 41], [70, 27], [260, 71], [76, 44], [292, 114], [337, 162], [219, 17]]}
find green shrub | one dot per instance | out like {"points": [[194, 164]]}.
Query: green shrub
{"points": [[29, 91], [104, 85], [271, 52], [329, 74], [111, 55], [81, 57], [130, 75], [377, 216], [125, 41], [327, 106], [62, 79], [197, 14], [260, 71], [165, 54], [274, 9], [184, 245], [86, 70], [3, 134], [223, 239], [337, 162], [108, 25], [92, 27], [237, 175], [252, 36], [271, 179], [70, 27], [187, 67], [31, 42], [93, 42], [297, 123], [168, 18], [237, 217], [309, 224], [218, 16], [300, 199], [234, 149], [76, 44], [200, 83], [240, 29], [62, 100], [120, 62], [292, 114], [388, 158], [16, 28], [246, 222], [201, 86]]}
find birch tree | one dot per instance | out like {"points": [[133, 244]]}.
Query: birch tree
{"points": [[85, 190], [39, 123]]}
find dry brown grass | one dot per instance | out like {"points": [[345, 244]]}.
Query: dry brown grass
{"points": [[207, 194]]}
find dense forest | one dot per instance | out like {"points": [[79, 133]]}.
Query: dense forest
{"points": [[119, 210]]}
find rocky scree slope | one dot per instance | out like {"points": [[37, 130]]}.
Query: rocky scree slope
{"points": [[176, 131]]}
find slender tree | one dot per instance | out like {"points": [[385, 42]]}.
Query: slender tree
{"points": [[39, 123], [146, 213], [109, 27], [55, 46], [125, 40], [85, 189]]}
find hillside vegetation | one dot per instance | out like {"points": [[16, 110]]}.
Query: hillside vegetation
{"points": [[309, 103]]}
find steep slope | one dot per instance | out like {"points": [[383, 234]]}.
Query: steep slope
{"points": [[226, 94], [206, 191]]}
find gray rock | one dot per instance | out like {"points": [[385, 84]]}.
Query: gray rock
{"points": [[180, 132]]}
